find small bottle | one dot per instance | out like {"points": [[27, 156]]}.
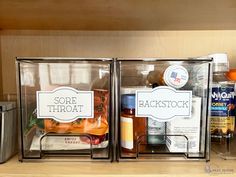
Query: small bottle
{"points": [[132, 128], [155, 129], [222, 104], [156, 132]]}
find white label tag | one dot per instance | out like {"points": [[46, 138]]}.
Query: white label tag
{"points": [[163, 103], [127, 140], [65, 104], [62, 143]]}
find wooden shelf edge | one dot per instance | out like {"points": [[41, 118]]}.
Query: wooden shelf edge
{"points": [[216, 166]]}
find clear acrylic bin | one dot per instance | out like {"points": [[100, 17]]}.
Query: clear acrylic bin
{"points": [[8, 130], [65, 108], [163, 109]]}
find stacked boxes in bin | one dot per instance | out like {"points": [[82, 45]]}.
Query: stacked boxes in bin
{"points": [[188, 126]]}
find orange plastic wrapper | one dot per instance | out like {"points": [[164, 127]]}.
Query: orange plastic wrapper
{"points": [[94, 126]]}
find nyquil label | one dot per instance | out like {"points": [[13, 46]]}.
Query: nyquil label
{"points": [[65, 104], [163, 103], [222, 101]]}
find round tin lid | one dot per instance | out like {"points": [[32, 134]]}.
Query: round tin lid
{"points": [[176, 76]]}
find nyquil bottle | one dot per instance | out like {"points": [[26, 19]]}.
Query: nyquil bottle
{"points": [[222, 103]]}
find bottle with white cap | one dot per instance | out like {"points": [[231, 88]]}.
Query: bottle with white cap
{"points": [[222, 103]]}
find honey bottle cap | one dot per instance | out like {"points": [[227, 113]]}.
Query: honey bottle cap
{"points": [[128, 101]]}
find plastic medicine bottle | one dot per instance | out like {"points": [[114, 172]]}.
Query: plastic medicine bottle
{"points": [[222, 101], [155, 129]]}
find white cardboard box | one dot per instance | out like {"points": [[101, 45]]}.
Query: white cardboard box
{"points": [[189, 127]]}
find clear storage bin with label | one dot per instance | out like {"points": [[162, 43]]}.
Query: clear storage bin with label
{"points": [[65, 108], [8, 130], [163, 109]]}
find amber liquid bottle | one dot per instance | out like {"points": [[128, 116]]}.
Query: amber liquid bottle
{"points": [[133, 129], [222, 103]]}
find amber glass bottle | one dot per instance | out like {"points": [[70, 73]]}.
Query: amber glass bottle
{"points": [[133, 129]]}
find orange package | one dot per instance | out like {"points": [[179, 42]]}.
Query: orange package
{"points": [[94, 126]]}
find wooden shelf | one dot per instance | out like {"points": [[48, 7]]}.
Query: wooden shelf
{"points": [[118, 15], [47, 15], [58, 169]]}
